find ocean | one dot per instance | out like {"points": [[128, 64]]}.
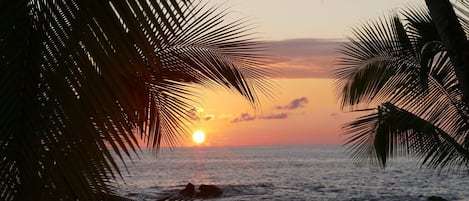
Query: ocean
{"points": [[286, 173]]}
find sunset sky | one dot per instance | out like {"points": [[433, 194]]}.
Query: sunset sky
{"points": [[303, 37]]}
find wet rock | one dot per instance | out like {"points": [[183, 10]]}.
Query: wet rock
{"points": [[436, 198], [188, 191], [207, 191]]}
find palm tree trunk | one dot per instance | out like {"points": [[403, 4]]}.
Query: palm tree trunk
{"points": [[454, 39]]}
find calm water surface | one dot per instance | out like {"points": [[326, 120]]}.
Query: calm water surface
{"points": [[286, 173]]}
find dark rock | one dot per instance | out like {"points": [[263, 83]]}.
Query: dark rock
{"points": [[436, 198], [207, 191], [188, 191]]}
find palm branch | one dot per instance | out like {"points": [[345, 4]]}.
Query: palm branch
{"points": [[400, 68], [84, 79]]}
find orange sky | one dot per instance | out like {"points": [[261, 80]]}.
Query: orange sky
{"points": [[305, 112], [303, 37]]}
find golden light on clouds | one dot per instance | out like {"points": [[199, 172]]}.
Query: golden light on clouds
{"points": [[305, 112]]}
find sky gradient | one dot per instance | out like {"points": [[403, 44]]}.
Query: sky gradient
{"points": [[303, 37]]}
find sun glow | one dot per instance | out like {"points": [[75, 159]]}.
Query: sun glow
{"points": [[198, 137]]}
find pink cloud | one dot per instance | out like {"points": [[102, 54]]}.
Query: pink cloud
{"points": [[302, 58], [275, 116], [192, 113], [294, 104], [196, 115], [244, 117], [209, 117]]}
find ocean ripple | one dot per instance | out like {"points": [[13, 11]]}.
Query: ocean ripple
{"points": [[286, 173]]}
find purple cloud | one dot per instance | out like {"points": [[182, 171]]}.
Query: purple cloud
{"points": [[195, 115], [243, 117], [209, 117], [275, 116], [294, 104], [303, 58], [192, 113]]}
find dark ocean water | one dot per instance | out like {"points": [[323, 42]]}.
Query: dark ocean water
{"points": [[287, 173]]}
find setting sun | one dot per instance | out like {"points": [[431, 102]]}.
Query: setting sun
{"points": [[198, 137]]}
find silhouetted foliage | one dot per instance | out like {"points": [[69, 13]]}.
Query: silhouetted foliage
{"points": [[83, 79], [397, 68]]}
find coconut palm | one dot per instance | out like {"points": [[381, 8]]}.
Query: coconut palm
{"points": [[454, 38], [397, 70], [83, 80]]}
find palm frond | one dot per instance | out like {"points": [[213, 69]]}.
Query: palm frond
{"points": [[376, 64], [83, 77], [393, 131], [408, 73], [461, 9]]}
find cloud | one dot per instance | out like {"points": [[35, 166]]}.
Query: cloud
{"points": [[275, 116], [294, 104], [243, 117], [209, 117], [192, 113], [196, 115], [303, 58]]}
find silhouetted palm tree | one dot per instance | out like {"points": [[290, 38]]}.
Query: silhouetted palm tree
{"points": [[454, 38], [82, 79], [398, 70]]}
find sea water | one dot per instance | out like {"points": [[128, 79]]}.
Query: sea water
{"points": [[286, 173]]}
